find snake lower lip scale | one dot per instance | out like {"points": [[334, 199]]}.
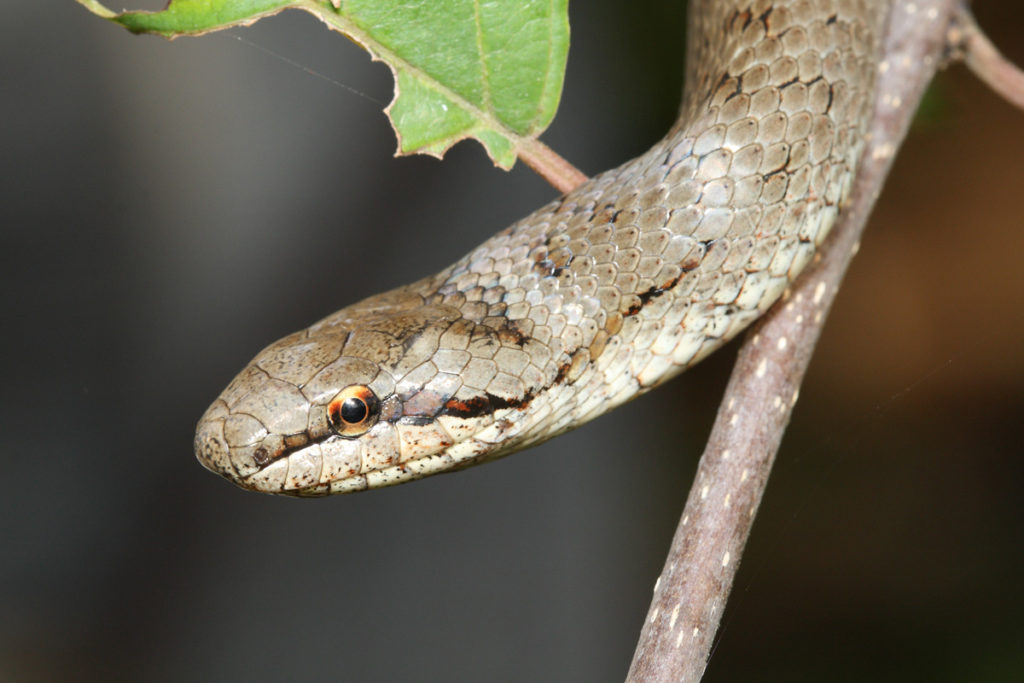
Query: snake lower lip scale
{"points": [[591, 300]]}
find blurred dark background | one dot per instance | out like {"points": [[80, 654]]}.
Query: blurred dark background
{"points": [[169, 208]]}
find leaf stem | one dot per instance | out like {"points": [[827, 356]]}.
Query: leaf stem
{"points": [[97, 9], [562, 175]]}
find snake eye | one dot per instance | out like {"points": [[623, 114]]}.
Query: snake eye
{"points": [[353, 411]]}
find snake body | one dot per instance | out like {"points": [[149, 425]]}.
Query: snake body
{"points": [[591, 300]]}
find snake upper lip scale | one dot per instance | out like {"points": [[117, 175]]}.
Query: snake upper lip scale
{"points": [[591, 300]]}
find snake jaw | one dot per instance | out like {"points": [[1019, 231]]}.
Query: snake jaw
{"points": [[400, 447]]}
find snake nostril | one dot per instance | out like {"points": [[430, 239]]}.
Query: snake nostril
{"points": [[261, 456]]}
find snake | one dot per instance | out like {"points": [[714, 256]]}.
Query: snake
{"points": [[592, 300]]}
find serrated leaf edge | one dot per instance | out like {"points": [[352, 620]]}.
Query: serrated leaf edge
{"points": [[485, 120], [394, 63]]}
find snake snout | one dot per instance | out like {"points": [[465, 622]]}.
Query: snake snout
{"points": [[210, 446], [234, 445]]}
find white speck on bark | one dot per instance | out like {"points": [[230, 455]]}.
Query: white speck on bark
{"points": [[819, 292]]}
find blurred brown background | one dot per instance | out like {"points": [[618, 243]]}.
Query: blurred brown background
{"points": [[169, 208]]}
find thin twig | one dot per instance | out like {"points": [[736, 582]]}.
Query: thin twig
{"points": [[690, 595], [982, 57], [562, 175]]}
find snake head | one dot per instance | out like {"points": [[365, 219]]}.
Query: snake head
{"points": [[373, 395]]}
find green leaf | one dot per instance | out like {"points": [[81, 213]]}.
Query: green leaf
{"points": [[487, 69]]}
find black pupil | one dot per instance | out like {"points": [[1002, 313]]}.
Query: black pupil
{"points": [[353, 410]]}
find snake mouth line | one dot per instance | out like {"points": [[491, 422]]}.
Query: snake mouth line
{"points": [[482, 406]]}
